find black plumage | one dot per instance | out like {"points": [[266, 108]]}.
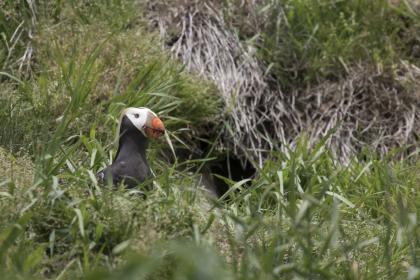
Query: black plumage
{"points": [[130, 164]]}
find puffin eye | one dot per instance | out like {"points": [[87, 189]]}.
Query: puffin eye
{"points": [[136, 116]]}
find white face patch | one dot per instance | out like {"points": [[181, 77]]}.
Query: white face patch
{"points": [[138, 116]]}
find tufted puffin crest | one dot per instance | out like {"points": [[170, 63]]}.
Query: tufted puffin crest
{"points": [[130, 164]]}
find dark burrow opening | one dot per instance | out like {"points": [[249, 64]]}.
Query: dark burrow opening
{"points": [[228, 166], [224, 163]]}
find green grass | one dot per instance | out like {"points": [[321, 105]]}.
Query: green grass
{"points": [[305, 215], [307, 41]]}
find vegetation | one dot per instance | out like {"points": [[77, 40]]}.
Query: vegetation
{"points": [[325, 38], [67, 68], [284, 67]]}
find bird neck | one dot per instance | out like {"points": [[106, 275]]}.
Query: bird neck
{"points": [[132, 143]]}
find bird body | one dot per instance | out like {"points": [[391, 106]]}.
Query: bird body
{"points": [[130, 165]]}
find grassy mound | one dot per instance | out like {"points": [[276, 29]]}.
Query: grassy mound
{"points": [[287, 67], [304, 215]]}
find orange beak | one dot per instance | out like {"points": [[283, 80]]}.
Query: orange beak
{"points": [[156, 129]]}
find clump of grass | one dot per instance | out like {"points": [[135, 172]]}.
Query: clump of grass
{"points": [[305, 42], [17, 27]]}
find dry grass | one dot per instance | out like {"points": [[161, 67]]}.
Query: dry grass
{"points": [[208, 47], [18, 31], [368, 106], [19, 170], [16, 177]]}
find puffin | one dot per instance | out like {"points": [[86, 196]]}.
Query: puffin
{"points": [[130, 165]]}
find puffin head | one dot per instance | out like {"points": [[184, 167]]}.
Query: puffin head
{"points": [[143, 119]]}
